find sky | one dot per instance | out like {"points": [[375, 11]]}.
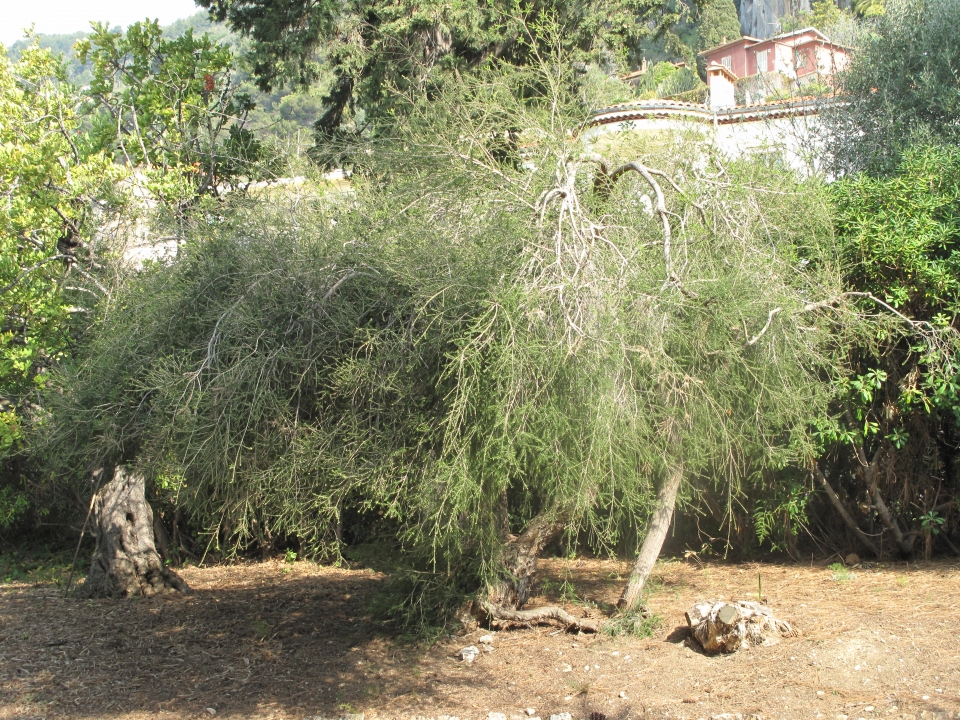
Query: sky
{"points": [[69, 16]]}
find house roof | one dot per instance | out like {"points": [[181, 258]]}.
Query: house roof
{"points": [[740, 39], [751, 41]]}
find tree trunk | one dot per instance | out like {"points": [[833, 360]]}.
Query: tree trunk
{"points": [[125, 561], [653, 542], [520, 560], [842, 511]]}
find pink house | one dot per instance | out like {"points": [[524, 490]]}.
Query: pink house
{"points": [[801, 56]]}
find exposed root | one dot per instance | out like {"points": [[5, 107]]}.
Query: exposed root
{"points": [[538, 616]]}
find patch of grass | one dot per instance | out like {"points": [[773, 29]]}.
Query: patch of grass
{"points": [[635, 624], [261, 629], [902, 581], [39, 564], [841, 574]]}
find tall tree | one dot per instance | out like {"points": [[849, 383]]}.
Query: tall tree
{"points": [[375, 47], [902, 85], [717, 24]]}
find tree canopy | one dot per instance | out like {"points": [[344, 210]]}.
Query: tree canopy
{"points": [[375, 49]]}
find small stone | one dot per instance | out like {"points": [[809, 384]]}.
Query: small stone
{"points": [[485, 639], [469, 653], [868, 708], [496, 716], [727, 716], [622, 695], [352, 716], [562, 716], [531, 711], [210, 711], [841, 717], [820, 693]]}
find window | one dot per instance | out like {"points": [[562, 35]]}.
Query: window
{"points": [[762, 61], [727, 62], [799, 59]]}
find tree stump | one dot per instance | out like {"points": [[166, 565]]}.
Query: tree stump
{"points": [[125, 561], [725, 627]]}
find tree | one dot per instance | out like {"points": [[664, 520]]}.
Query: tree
{"points": [[53, 189], [897, 431], [901, 86], [170, 107], [718, 23], [377, 48], [494, 342]]}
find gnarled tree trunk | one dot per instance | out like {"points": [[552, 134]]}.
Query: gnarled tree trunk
{"points": [[125, 561], [520, 560], [511, 592]]}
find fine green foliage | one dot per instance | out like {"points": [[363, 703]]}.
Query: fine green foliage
{"points": [[636, 624], [840, 573], [717, 24], [485, 324], [902, 85], [52, 189], [375, 48]]}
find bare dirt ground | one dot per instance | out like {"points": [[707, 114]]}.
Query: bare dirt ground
{"points": [[276, 641]]}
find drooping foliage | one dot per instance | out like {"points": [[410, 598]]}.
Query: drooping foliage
{"points": [[490, 328]]}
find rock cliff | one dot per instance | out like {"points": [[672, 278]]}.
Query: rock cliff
{"points": [[761, 18]]}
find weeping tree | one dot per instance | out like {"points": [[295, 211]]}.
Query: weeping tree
{"points": [[512, 329]]}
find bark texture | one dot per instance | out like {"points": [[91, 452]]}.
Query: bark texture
{"points": [[498, 615], [653, 542], [520, 561], [125, 561], [725, 627]]}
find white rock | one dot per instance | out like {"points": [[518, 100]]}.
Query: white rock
{"points": [[496, 716], [485, 639], [561, 716], [531, 711], [210, 711], [622, 695], [469, 654]]}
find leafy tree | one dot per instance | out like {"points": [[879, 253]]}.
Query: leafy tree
{"points": [[51, 189], [902, 85], [375, 48], [718, 23], [899, 425], [169, 105]]}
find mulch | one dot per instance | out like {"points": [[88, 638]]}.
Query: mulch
{"points": [[272, 640]]}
